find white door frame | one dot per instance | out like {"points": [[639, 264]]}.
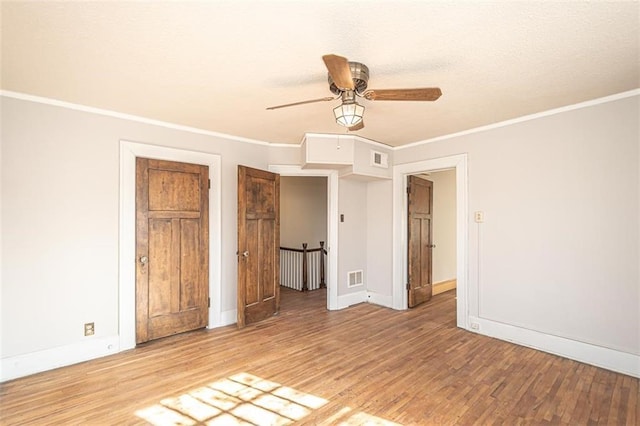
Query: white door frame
{"points": [[400, 173], [127, 232], [332, 223]]}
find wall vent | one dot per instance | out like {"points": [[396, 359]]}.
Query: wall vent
{"points": [[380, 159], [354, 278]]}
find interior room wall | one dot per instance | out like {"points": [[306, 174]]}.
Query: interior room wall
{"points": [[444, 225], [303, 211], [60, 206], [379, 241], [558, 250], [352, 233]]}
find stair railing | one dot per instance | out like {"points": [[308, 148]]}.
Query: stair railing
{"points": [[303, 269]]}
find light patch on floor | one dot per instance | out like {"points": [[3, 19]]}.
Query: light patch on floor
{"points": [[245, 399]]}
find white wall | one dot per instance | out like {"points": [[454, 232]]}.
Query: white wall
{"points": [[60, 179], [379, 242], [558, 252], [444, 225], [303, 211], [352, 233], [59, 227], [362, 159]]}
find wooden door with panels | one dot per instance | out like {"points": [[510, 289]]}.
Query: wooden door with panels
{"points": [[172, 248], [258, 245], [420, 246]]}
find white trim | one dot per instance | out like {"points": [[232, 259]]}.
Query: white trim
{"points": [[379, 299], [332, 223], [48, 359], [130, 117], [599, 356], [529, 117], [349, 299], [127, 241], [285, 145], [400, 173], [584, 352]]}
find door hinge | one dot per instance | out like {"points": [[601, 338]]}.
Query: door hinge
{"points": [[209, 183], [208, 302], [408, 286], [408, 189]]}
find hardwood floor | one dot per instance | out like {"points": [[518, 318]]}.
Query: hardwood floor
{"points": [[362, 365]]}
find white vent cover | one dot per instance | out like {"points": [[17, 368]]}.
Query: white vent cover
{"points": [[354, 278], [380, 159]]}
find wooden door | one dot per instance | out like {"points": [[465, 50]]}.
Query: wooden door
{"points": [[172, 245], [258, 245], [419, 236]]}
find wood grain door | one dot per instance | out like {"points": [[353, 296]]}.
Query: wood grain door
{"points": [[258, 245], [172, 244], [419, 236]]}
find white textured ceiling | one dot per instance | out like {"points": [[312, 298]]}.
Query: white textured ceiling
{"points": [[217, 65]]}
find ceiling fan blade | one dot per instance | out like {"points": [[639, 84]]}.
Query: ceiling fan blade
{"points": [[339, 71], [358, 126], [424, 94], [328, 98]]}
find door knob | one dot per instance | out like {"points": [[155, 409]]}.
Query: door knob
{"points": [[144, 260], [245, 253]]}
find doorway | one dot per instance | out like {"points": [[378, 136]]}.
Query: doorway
{"points": [[331, 266], [303, 231], [400, 252], [443, 244], [129, 151]]}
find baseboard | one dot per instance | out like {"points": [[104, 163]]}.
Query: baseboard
{"points": [[36, 362], [443, 286], [610, 359], [379, 299], [347, 300]]}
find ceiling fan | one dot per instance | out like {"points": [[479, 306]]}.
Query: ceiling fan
{"points": [[348, 80]]}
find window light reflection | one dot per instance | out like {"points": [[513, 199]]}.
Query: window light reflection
{"points": [[240, 399], [245, 399]]}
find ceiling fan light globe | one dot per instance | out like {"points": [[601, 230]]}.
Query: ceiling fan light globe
{"points": [[348, 114]]}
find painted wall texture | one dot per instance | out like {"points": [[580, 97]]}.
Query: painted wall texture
{"points": [[558, 251]]}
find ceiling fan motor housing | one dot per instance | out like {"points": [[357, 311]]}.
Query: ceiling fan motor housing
{"points": [[360, 75]]}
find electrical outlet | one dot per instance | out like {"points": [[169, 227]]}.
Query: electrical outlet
{"points": [[479, 216], [89, 329]]}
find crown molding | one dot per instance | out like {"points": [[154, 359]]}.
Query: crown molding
{"points": [[123, 116], [585, 104]]}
